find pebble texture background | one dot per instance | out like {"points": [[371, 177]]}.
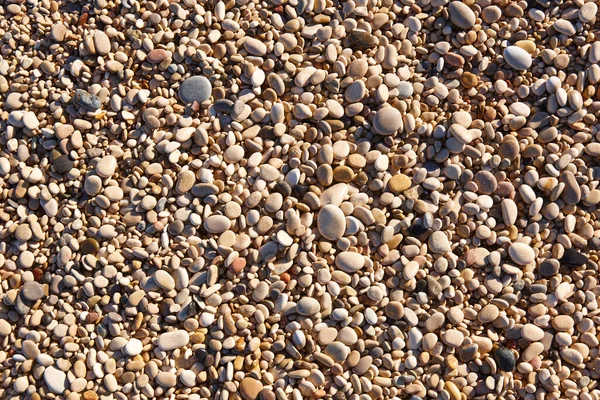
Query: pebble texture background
{"points": [[274, 200]]}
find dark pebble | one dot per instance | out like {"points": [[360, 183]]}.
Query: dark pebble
{"points": [[200, 354], [433, 168], [549, 267], [63, 164], [505, 359], [223, 105], [417, 229], [363, 38], [284, 188], [538, 288], [47, 319], [573, 258], [90, 246]]}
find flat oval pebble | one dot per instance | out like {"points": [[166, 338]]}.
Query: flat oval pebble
{"points": [[517, 58], [461, 15], [308, 306], [217, 224], [331, 222], [195, 88], [173, 340], [349, 262], [521, 253], [505, 359]]}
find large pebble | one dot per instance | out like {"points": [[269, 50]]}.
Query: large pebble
{"points": [[461, 15], [106, 166], [517, 58], [331, 222], [217, 224], [349, 261], [55, 379], [438, 242], [308, 306], [521, 253], [195, 88], [250, 388], [173, 340], [387, 121]]}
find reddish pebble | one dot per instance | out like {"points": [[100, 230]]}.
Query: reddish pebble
{"points": [[285, 277], [38, 273], [238, 265], [536, 363], [91, 317], [158, 55]]}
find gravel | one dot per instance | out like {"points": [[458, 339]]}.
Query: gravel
{"points": [[311, 199]]}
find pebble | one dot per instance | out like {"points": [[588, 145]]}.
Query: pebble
{"points": [[55, 379], [349, 262], [521, 253], [308, 306], [461, 15], [532, 333], [571, 356], [505, 359], [331, 222], [399, 183], [517, 58], [217, 224], [387, 121], [255, 47], [438, 242], [173, 340], [87, 100], [250, 388], [195, 89], [573, 258], [133, 347], [63, 164], [106, 166], [32, 291]]}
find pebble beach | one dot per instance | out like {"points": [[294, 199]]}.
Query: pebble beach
{"points": [[299, 199]]}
